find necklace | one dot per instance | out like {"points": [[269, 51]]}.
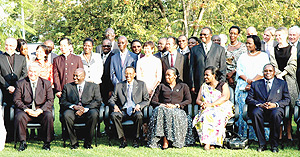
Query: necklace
{"points": [[253, 54], [234, 44]]}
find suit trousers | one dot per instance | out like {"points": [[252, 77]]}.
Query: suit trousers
{"points": [[118, 118], [45, 118], [274, 117], [90, 118]]}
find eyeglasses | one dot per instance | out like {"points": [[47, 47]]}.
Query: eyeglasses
{"points": [[136, 46], [106, 45], [204, 35]]}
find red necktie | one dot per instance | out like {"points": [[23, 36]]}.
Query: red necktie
{"points": [[172, 60]]}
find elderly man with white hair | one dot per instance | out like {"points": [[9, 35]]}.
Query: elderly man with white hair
{"points": [[294, 35]]}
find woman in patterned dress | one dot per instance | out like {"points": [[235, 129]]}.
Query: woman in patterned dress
{"points": [[216, 109], [46, 71]]}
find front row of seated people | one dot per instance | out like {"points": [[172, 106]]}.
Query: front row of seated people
{"points": [[169, 123]]}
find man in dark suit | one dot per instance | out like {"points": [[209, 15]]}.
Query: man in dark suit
{"points": [[136, 47], [34, 101], [12, 68], [109, 34], [128, 99], [64, 66], [106, 86], [203, 55], [173, 59], [267, 99], [294, 36], [121, 60], [52, 55], [161, 46], [80, 101], [185, 51]]}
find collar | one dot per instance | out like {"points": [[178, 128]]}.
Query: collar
{"points": [[9, 54], [294, 44], [271, 81], [208, 44], [31, 82], [82, 84], [124, 53], [131, 84], [186, 49], [103, 54], [66, 55]]}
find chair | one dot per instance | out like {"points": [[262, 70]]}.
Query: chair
{"points": [[231, 121], [30, 125], [266, 123], [80, 125], [297, 120], [147, 112]]}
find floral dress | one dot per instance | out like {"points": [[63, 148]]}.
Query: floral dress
{"points": [[210, 123]]}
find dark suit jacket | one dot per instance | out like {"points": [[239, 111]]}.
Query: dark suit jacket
{"points": [[199, 61], [263, 44], [106, 73], [258, 93], [63, 70], [23, 96], [179, 64], [117, 72], [139, 94], [298, 64], [9, 78], [90, 98]]}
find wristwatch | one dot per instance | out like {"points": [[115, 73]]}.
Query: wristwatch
{"points": [[177, 105]]}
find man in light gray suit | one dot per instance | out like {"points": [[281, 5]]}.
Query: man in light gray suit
{"points": [[294, 36], [109, 34], [128, 99], [121, 60], [203, 55]]}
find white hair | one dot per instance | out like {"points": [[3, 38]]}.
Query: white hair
{"points": [[224, 39], [271, 30], [295, 28]]}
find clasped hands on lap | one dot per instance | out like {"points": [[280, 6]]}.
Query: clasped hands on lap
{"points": [[136, 109], [267, 105], [33, 113], [79, 109]]}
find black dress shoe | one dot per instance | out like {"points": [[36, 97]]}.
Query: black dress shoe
{"points": [[75, 146], [135, 143], [87, 146], [22, 146], [46, 146], [275, 149], [261, 148], [123, 144]]}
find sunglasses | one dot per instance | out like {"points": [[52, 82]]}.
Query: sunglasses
{"points": [[106, 45]]}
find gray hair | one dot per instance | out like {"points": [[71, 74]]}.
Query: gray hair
{"points": [[295, 28], [271, 30]]}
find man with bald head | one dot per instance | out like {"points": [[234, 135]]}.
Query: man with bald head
{"points": [[51, 55], [121, 60], [251, 31], [109, 34], [12, 68], [80, 101], [34, 101], [161, 46]]}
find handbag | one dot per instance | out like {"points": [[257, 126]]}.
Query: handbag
{"points": [[235, 141]]}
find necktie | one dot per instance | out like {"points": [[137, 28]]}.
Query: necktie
{"points": [[172, 60], [205, 48], [129, 100], [33, 92], [80, 93], [268, 86]]}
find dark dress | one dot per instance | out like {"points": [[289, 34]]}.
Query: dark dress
{"points": [[173, 124]]}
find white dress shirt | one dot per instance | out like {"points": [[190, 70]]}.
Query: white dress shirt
{"points": [[93, 68], [207, 47], [174, 57]]}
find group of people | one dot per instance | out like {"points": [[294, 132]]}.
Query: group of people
{"points": [[183, 71]]}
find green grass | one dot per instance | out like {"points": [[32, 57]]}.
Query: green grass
{"points": [[35, 148]]}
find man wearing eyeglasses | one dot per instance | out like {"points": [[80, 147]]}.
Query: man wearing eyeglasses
{"points": [[136, 47], [109, 34], [203, 55]]}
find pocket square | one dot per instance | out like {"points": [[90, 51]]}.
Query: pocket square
{"points": [[278, 91]]}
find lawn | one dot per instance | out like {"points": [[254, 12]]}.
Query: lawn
{"points": [[35, 148]]}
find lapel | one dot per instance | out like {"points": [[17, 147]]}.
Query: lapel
{"points": [[124, 88], [166, 60], [74, 88], [119, 61], [134, 87], [201, 50], [28, 87], [127, 58], [39, 87], [85, 90], [263, 88], [16, 61], [298, 46], [6, 63], [178, 59], [274, 89], [212, 49]]}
